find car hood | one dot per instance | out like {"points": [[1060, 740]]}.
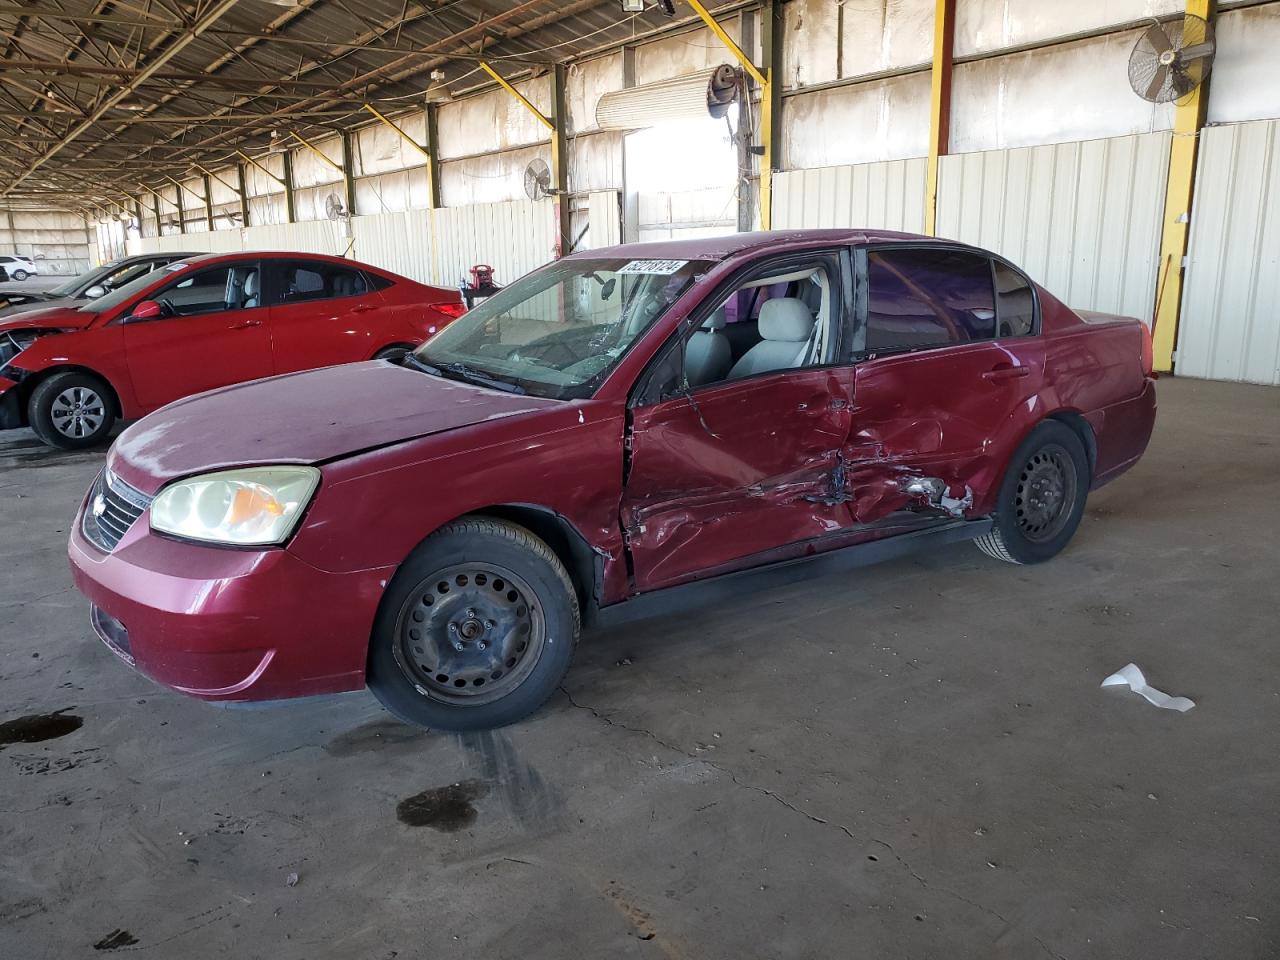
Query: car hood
{"points": [[306, 418], [42, 316]]}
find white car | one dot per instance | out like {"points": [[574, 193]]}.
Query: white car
{"points": [[18, 268]]}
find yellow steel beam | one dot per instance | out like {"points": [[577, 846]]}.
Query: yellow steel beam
{"points": [[403, 136], [254, 163], [944, 20], [518, 95], [159, 196], [1179, 188], [209, 173], [765, 79], [728, 41], [317, 151], [183, 186]]}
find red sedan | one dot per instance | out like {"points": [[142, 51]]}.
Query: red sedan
{"points": [[198, 324], [629, 428]]}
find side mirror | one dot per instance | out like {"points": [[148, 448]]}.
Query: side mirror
{"points": [[96, 291], [147, 310]]}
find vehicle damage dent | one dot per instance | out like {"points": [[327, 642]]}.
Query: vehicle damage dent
{"points": [[936, 494]]}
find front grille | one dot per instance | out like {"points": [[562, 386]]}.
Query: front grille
{"points": [[112, 509]]}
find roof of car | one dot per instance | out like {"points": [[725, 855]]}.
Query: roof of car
{"points": [[273, 255], [719, 248]]}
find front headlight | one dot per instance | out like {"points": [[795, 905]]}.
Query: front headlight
{"points": [[256, 506]]}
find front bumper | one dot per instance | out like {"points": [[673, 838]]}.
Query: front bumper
{"points": [[226, 624]]}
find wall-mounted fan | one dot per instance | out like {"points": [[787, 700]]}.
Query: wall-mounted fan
{"points": [[334, 208], [537, 180], [1171, 59]]}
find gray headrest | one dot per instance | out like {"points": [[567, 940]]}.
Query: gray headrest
{"points": [[714, 322], [787, 319], [251, 284]]}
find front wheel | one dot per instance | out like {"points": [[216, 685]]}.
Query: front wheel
{"points": [[71, 410], [20, 274], [1042, 497], [476, 630]]}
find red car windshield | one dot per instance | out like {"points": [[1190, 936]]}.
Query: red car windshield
{"points": [[131, 289], [557, 332]]}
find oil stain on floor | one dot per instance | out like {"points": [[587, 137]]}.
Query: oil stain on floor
{"points": [[39, 727], [447, 809]]}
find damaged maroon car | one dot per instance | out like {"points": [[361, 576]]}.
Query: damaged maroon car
{"points": [[621, 431]]}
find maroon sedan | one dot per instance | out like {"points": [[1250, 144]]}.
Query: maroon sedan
{"points": [[623, 429]]}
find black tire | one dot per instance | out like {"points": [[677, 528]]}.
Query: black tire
{"points": [[476, 629], [1042, 497], [393, 353], [71, 410], [20, 275]]}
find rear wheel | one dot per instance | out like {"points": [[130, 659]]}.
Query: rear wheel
{"points": [[71, 410], [20, 274], [1042, 497], [476, 630]]}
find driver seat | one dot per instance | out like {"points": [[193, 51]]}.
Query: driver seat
{"points": [[786, 329], [252, 292]]}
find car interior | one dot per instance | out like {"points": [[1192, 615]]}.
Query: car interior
{"points": [[213, 291], [775, 322], [317, 282]]}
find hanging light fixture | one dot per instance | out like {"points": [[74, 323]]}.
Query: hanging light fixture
{"points": [[439, 91]]}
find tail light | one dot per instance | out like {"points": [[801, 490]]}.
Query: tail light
{"points": [[452, 309], [1148, 352]]}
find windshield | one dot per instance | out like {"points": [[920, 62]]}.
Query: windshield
{"points": [[131, 289], [85, 279], [558, 331]]}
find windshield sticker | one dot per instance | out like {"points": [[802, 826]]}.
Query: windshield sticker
{"points": [[660, 267], [177, 265]]}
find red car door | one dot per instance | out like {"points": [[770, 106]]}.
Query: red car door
{"points": [[950, 371], [212, 333], [726, 473], [322, 313]]}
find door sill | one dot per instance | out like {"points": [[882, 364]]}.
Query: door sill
{"points": [[703, 593]]}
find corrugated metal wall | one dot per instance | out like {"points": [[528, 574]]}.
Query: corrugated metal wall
{"points": [[1082, 218], [888, 195], [431, 246], [1230, 323]]}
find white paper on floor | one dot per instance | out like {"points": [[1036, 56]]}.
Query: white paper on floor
{"points": [[1130, 676]]}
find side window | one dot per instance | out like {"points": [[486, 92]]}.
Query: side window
{"points": [[212, 291], [919, 298], [783, 316], [320, 281], [1015, 303]]}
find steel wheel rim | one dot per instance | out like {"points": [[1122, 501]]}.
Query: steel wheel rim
{"points": [[1046, 493], [77, 412], [470, 634]]}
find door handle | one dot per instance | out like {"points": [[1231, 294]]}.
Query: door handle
{"points": [[1005, 371], [245, 324]]}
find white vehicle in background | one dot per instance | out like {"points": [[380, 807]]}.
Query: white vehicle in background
{"points": [[17, 268]]}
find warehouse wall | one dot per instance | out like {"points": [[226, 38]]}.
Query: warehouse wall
{"points": [[58, 241], [1054, 161]]}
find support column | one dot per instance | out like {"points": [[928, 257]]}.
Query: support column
{"points": [[348, 173], [244, 195], [208, 202], [1179, 190], [434, 200], [182, 207], [944, 32], [773, 36], [291, 210], [560, 162]]}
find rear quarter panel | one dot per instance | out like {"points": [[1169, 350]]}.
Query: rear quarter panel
{"points": [[1095, 369]]}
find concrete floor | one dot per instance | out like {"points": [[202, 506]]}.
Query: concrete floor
{"points": [[916, 761]]}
